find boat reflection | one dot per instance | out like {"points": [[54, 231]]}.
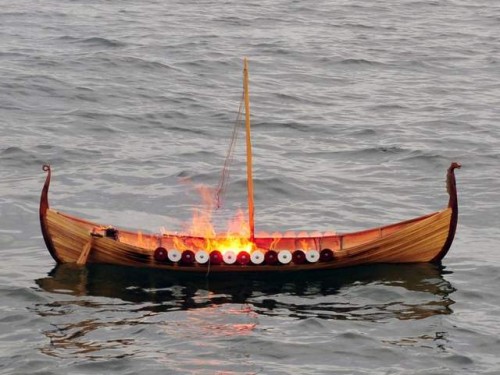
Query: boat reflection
{"points": [[363, 293]]}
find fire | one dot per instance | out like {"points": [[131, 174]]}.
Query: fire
{"points": [[201, 234]]}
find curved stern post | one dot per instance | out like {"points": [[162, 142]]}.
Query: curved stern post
{"points": [[451, 187], [44, 206]]}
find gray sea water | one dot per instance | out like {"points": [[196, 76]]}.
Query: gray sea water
{"points": [[358, 107]]}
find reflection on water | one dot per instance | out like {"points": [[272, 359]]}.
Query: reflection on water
{"points": [[388, 289], [104, 311]]}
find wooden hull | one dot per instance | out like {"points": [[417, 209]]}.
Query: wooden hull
{"points": [[423, 239]]}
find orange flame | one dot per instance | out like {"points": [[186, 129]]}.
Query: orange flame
{"points": [[201, 234]]}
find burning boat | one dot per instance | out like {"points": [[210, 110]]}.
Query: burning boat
{"points": [[427, 238]]}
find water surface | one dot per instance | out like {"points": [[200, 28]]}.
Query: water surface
{"points": [[357, 110]]}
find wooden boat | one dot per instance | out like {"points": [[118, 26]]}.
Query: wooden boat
{"points": [[427, 238]]}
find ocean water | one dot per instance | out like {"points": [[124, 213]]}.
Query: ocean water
{"points": [[358, 108]]}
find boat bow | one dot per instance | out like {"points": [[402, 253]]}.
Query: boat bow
{"points": [[44, 207], [451, 187]]}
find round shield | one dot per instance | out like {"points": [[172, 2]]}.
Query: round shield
{"points": [[271, 257], [298, 257], [174, 255], [187, 257], [201, 257], [229, 257], [285, 256], [161, 254], [257, 257], [312, 256], [243, 258], [326, 255], [215, 257]]}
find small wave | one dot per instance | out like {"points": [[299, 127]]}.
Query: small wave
{"points": [[360, 62], [302, 99], [190, 130], [389, 107], [234, 21], [365, 26], [199, 155], [10, 107], [363, 132], [11, 54], [280, 187], [294, 125], [41, 79], [368, 152], [94, 115], [141, 63], [359, 26], [95, 41], [12, 151], [426, 157], [16, 156], [40, 154]]}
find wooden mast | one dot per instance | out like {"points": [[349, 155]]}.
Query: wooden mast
{"points": [[251, 223]]}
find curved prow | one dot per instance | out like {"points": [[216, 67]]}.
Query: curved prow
{"points": [[44, 206], [451, 187], [44, 199]]}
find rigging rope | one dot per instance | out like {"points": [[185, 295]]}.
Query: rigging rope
{"points": [[224, 178]]}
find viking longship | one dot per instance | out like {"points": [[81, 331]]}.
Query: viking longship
{"points": [[427, 238]]}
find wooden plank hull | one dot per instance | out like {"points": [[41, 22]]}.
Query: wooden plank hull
{"points": [[424, 239]]}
